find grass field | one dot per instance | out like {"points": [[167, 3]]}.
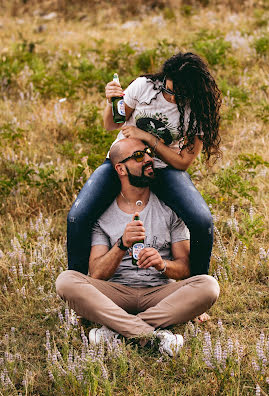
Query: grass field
{"points": [[54, 65]]}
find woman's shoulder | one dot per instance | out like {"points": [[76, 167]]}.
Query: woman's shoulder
{"points": [[139, 82], [139, 90], [143, 89], [145, 82]]}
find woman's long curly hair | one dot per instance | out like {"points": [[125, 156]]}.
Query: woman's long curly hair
{"points": [[195, 86]]}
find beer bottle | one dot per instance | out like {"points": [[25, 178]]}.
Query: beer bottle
{"points": [[137, 246], [118, 108]]}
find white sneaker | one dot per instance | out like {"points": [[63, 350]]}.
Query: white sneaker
{"points": [[103, 334], [169, 343]]}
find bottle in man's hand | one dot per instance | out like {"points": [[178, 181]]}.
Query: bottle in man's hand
{"points": [[137, 246]]}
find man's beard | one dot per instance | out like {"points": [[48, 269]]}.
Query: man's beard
{"points": [[140, 181]]}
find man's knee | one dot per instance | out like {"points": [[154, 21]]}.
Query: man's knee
{"points": [[211, 288], [65, 283]]}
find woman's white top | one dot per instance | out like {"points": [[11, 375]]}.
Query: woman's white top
{"points": [[154, 114]]}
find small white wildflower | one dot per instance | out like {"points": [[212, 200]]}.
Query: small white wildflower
{"points": [[255, 365], [23, 293], [251, 213], [66, 314], [207, 348], [51, 376], [236, 248], [259, 350], [20, 269], [73, 318], [61, 318], [218, 351], [262, 338], [220, 326], [262, 253], [104, 372], [263, 172], [230, 346], [244, 250], [14, 270], [54, 359]]}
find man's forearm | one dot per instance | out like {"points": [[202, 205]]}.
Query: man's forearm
{"points": [[177, 269], [105, 266]]}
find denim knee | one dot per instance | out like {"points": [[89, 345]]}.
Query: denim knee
{"points": [[202, 223], [71, 217], [79, 215]]}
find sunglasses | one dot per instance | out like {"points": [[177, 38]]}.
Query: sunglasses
{"points": [[139, 155], [167, 90]]}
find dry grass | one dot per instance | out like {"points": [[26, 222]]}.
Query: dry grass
{"points": [[42, 135]]}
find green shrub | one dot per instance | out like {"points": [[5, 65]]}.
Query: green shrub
{"points": [[150, 60], [213, 48], [263, 112], [236, 181], [186, 10], [22, 176], [238, 93], [118, 59], [261, 19], [169, 13], [261, 45], [9, 132]]}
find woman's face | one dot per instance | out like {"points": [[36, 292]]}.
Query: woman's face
{"points": [[169, 96]]}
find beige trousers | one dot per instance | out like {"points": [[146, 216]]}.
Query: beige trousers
{"points": [[135, 312]]}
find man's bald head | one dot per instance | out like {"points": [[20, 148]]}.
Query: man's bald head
{"points": [[121, 149]]}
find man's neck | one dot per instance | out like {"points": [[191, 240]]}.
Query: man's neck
{"points": [[133, 199]]}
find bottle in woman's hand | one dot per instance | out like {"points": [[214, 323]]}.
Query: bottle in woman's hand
{"points": [[118, 107]]}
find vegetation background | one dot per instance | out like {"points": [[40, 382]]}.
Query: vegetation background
{"points": [[55, 60]]}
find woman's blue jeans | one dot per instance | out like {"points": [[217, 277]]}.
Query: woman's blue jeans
{"points": [[172, 186]]}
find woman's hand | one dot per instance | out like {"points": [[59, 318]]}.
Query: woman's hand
{"points": [[136, 133], [113, 90]]}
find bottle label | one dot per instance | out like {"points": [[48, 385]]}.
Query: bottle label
{"points": [[136, 249], [121, 107]]}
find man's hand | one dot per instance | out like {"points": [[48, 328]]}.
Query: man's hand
{"points": [[150, 257], [134, 231]]}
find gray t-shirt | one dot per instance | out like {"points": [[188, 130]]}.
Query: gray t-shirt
{"points": [[163, 227]]}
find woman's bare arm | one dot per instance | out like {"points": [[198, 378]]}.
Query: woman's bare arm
{"points": [[179, 161]]}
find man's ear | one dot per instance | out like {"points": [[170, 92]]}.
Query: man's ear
{"points": [[120, 169]]}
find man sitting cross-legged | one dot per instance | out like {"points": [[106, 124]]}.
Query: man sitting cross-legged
{"points": [[143, 299]]}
